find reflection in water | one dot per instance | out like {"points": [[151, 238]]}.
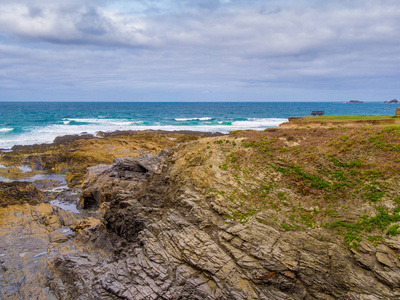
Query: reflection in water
{"points": [[57, 177], [22, 168], [61, 187], [65, 206]]}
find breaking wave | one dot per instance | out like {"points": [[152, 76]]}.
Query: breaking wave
{"points": [[6, 129], [47, 134]]}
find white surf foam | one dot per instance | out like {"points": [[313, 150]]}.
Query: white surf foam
{"points": [[6, 129], [256, 122], [49, 133], [192, 119], [78, 120]]}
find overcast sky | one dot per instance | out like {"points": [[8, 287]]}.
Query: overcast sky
{"points": [[199, 50]]}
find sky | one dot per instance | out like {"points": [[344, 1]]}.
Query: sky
{"points": [[199, 50]]}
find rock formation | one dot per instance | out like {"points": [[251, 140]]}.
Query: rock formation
{"points": [[392, 101], [355, 101], [185, 228], [73, 154], [280, 214]]}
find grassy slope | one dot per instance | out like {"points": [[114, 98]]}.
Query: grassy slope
{"points": [[344, 180], [347, 118]]}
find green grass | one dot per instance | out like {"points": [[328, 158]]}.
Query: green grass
{"points": [[347, 118], [380, 221], [329, 172]]}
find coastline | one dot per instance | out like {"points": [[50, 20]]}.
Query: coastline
{"points": [[206, 210], [36, 123], [68, 138]]}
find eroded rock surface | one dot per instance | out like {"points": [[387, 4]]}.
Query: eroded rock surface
{"points": [[103, 181], [280, 214], [167, 237], [29, 238]]}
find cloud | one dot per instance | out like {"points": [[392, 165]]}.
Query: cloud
{"points": [[211, 45]]}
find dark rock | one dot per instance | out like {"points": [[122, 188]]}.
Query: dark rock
{"points": [[18, 193], [355, 101]]}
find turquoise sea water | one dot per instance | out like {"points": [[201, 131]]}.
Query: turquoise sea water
{"points": [[25, 123]]}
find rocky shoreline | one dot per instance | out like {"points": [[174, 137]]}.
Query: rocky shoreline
{"points": [[250, 215]]}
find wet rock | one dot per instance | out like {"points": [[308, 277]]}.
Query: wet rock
{"points": [[18, 193], [27, 244], [75, 153], [74, 179], [47, 184]]}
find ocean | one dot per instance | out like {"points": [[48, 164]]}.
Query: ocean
{"points": [[27, 123]]}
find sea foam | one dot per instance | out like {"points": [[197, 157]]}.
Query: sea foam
{"points": [[6, 129], [48, 133], [193, 119]]}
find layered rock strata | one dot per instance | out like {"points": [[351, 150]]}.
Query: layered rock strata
{"points": [[167, 236], [280, 214]]}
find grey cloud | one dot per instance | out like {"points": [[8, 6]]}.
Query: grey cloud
{"points": [[35, 11], [91, 22], [200, 45]]}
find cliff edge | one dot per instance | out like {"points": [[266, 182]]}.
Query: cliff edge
{"points": [[280, 214]]}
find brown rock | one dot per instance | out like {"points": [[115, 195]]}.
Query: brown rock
{"points": [[386, 256], [25, 252], [87, 223], [58, 237], [17, 193]]}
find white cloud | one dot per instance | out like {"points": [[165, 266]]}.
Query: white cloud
{"points": [[213, 45]]}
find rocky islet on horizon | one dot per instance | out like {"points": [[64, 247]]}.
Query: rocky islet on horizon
{"points": [[392, 101], [251, 215]]}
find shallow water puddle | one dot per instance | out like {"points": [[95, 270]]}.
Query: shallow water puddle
{"points": [[22, 168], [71, 207], [57, 177]]}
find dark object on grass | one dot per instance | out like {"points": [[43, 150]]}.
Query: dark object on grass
{"points": [[317, 112]]}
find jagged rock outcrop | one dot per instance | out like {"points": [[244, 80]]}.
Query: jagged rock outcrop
{"points": [[280, 214], [178, 226], [102, 181]]}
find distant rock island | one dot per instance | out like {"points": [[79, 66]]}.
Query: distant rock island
{"points": [[355, 101], [392, 101]]}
